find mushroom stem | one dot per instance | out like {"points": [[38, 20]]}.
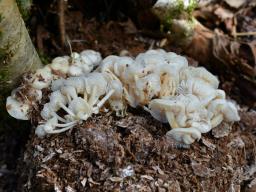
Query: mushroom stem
{"points": [[60, 118], [66, 124], [171, 119], [67, 109], [60, 130], [104, 99], [217, 120]]}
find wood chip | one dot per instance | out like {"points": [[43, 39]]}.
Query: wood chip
{"points": [[208, 144], [148, 177], [116, 179]]}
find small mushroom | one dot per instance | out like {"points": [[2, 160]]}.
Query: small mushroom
{"points": [[116, 101], [199, 73], [81, 109], [95, 85], [50, 126], [199, 88], [146, 88], [42, 78], [186, 97], [169, 110], [60, 64], [221, 109], [185, 135], [17, 109], [69, 92], [90, 58]]}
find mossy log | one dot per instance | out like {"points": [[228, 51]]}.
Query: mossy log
{"points": [[17, 56], [17, 53]]}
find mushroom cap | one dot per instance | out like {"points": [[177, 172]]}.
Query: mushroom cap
{"points": [[158, 107], [75, 56], [75, 70], [42, 78], [56, 84], [147, 87], [90, 58], [80, 107], [185, 135], [56, 98], [60, 64], [35, 94], [202, 126], [47, 127], [17, 109], [121, 65], [47, 111], [108, 63], [230, 112], [172, 105], [96, 80], [199, 73], [68, 91], [176, 61], [216, 106], [149, 59], [40, 132]]}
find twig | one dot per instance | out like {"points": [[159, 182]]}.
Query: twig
{"points": [[245, 33], [61, 10]]}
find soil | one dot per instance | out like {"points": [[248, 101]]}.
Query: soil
{"points": [[107, 153]]}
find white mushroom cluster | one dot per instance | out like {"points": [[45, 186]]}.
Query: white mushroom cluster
{"points": [[19, 106], [161, 82]]}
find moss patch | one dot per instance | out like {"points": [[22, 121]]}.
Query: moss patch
{"points": [[5, 57], [24, 7], [43, 57], [1, 19], [178, 11]]}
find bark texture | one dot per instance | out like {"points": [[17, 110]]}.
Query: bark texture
{"points": [[17, 53]]}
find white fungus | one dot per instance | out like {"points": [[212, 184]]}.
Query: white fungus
{"points": [[17, 109], [161, 82]]}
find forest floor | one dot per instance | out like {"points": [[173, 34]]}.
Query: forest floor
{"points": [[107, 153]]}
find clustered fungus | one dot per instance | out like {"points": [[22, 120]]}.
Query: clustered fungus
{"points": [[161, 82]]}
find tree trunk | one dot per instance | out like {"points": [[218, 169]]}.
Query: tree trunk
{"points": [[17, 53]]}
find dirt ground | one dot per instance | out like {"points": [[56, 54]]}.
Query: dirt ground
{"points": [[107, 153], [133, 154]]}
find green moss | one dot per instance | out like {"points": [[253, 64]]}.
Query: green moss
{"points": [[24, 7], [178, 11], [4, 75], [192, 6], [1, 19], [5, 56], [43, 57]]}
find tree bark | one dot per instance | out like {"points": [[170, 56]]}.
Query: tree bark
{"points": [[17, 53]]}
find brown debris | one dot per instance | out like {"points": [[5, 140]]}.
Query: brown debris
{"points": [[222, 130], [107, 153]]}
